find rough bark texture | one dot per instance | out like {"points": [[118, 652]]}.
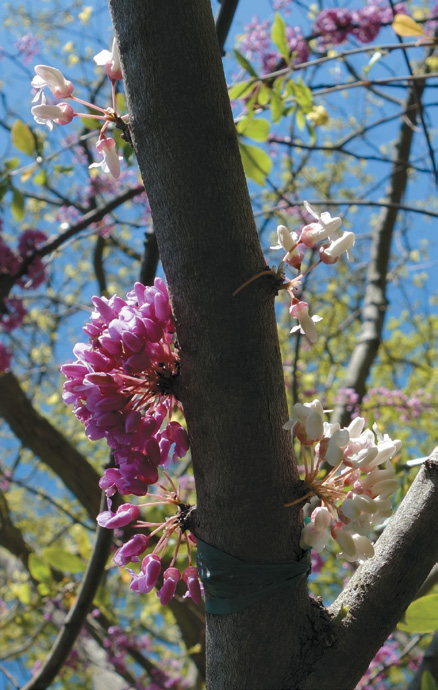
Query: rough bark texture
{"points": [[231, 381], [231, 376], [375, 301]]}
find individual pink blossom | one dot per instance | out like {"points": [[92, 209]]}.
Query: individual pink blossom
{"points": [[307, 421], [326, 226], [355, 547], [191, 578], [130, 551], [110, 162], [171, 577], [151, 569], [125, 514], [331, 253], [60, 114], [110, 61], [316, 533], [54, 80], [300, 311]]}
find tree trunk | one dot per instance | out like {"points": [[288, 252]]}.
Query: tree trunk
{"points": [[231, 384]]}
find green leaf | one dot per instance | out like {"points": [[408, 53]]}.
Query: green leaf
{"points": [[257, 129], [422, 615], [303, 95], [39, 569], [256, 163], [263, 95], [63, 560], [4, 187], [41, 177], [22, 592], [301, 120], [12, 163], [278, 35], [22, 138], [243, 62], [428, 681], [240, 90], [17, 205], [277, 107]]}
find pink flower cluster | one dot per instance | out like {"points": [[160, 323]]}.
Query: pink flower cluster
{"points": [[355, 494], [13, 310], [333, 26], [325, 234], [62, 113], [121, 387]]}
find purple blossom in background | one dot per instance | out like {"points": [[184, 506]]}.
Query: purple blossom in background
{"points": [[28, 46]]}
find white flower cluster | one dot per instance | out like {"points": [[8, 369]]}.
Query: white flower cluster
{"points": [[325, 230], [355, 493]]}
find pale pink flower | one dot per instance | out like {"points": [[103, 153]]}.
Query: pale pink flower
{"points": [[54, 80], [326, 226], [330, 254], [61, 114], [316, 533], [355, 547], [300, 311], [307, 421], [110, 162], [110, 61]]}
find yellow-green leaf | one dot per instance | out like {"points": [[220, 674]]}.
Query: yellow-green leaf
{"points": [[17, 205], [256, 163], [22, 138], [406, 26], [63, 560], [428, 681], [257, 129], [243, 88], [422, 615], [39, 569], [278, 35], [243, 62]]}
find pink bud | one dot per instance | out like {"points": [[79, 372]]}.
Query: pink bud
{"points": [[190, 576], [151, 567], [171, 578], [125, 514]]}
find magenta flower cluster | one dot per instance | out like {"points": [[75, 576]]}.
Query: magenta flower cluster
{"points": [[332, 26], [11, 263], [121, 387]]}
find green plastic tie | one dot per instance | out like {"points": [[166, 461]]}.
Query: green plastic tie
{"points": [[231, 585]]}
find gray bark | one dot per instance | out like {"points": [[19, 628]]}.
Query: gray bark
{"points": [[231, 382]]}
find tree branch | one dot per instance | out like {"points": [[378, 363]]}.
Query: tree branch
{"points": [[77, 614], [375, 302], [382, 588], [37, 434]]}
